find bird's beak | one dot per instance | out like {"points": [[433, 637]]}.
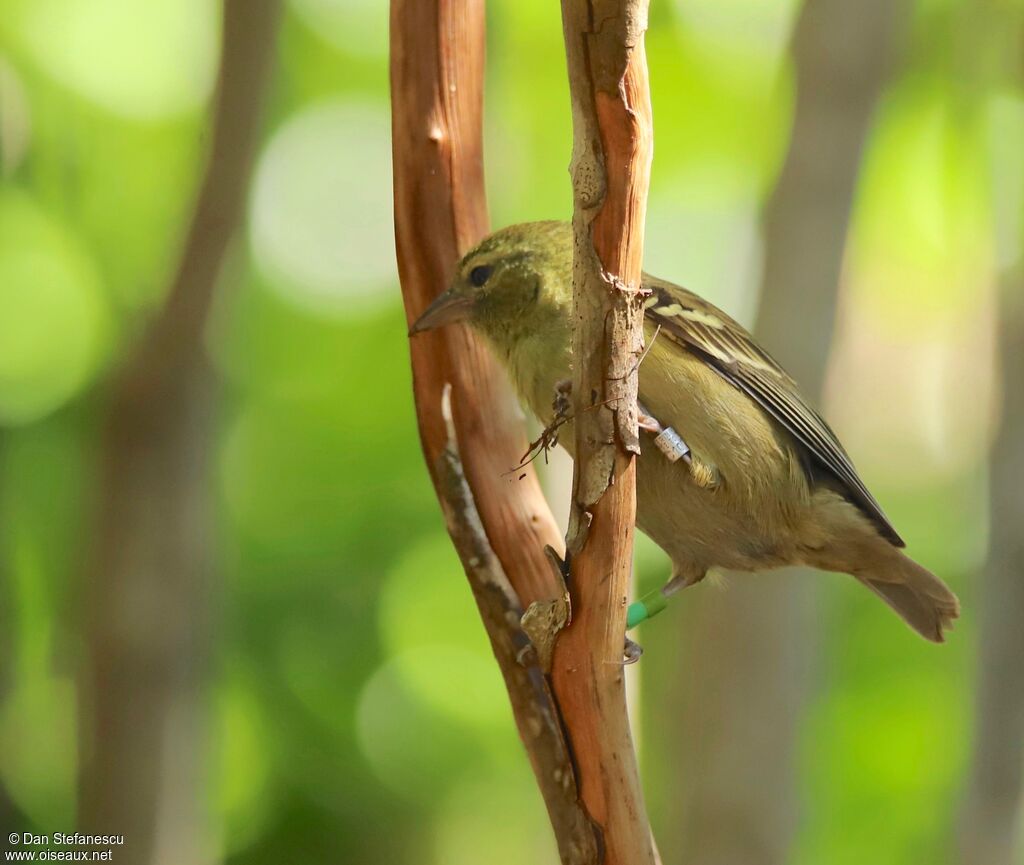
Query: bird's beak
{"points": [[448, 308]]}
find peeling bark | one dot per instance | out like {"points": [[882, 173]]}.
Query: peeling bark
{"points": [[500, 529], [612, 142]]}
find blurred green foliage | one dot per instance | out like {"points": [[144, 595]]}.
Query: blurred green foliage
{"points": [[358, 716]]}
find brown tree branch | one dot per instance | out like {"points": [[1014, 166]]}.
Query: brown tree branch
{"points": [[610, 168], [534, 709], [440, 212], [148, 585], [499, 528]]}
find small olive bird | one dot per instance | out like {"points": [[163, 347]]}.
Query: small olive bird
{"points": [[766, 483]]}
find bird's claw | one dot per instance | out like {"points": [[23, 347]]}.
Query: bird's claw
{"points": [[631, 652], [671, 444], [562, 402], [666, 439], [648, 423]]}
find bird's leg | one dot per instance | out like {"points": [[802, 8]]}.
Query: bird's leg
{"points": [[562, 402], [670, 443], [654, 602], [646, 608], [683, 577], [562, 405], [631, 652]]}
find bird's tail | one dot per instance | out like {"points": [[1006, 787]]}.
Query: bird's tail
{"points": [[921, 598]]}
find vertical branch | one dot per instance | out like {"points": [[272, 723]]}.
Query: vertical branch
{"points": [[612, 141], [499, 528], [437, 56], [991, 825], [991, 820], [842, 53], [143, 774], [533, 707]]}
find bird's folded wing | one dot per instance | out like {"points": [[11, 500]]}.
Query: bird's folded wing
{"points": [[698, 327]]}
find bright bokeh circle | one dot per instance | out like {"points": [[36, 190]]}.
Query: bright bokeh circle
{"points": [[320, 228], [353, 26], [54, 312], [144, 60]]}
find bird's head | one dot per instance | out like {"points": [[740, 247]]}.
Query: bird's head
{"points": [[515, 282]]}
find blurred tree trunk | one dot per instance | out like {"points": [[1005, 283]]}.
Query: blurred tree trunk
{"points": [[747, 648], [990, 43], [991, 818], [144, 720]]}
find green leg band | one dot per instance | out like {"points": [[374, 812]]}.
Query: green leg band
{"points": [[646, 608]]}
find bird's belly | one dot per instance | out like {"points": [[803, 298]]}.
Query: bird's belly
{"points": [[752, 518], [701, 528]]}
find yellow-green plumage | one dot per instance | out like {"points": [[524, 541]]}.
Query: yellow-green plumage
{"points": [[768, 484]]}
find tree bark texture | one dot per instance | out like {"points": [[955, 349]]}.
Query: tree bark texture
{"points": [[748, 651], [437, 57], [470, 425], [149, 580], [612, 145]]}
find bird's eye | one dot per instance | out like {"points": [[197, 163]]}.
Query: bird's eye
{"points": [[480, 274]]}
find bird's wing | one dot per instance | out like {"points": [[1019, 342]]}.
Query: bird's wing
{"points": [[699, 327]]}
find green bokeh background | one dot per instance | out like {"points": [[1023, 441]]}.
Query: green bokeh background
{"points": [[357, 714]]}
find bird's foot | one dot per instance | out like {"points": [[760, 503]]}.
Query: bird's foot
{"points": [[648, 423], [631, 652], [654, 602], [683, 578], [666, 439], [562, 403], [646, 608], [672, 445]]}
